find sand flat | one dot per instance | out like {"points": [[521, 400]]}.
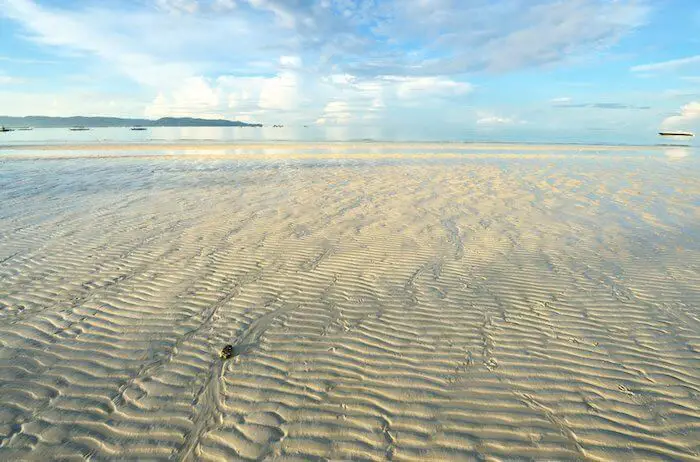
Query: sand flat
{"points": [[502, 306]]}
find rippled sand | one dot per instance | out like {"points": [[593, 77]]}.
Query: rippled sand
{"points": [[383, 307]]}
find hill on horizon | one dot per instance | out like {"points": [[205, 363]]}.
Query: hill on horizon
{"points": [[96, 122]]}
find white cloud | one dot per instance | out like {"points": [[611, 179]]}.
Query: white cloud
{"points": [[365, 99], [335, 61], [493, 119], [560, 100], [266, 98], [194, 96], [335, 113], [281, 92], [197, 92], [671, 65], [435, 38], [26, 60], [9, 80], [223, 5], [243, 93], [178, 6], [284, 91], [689, 116], [293, 62], [460, 36], [83, 32], [69, 103], [556, 30], [413, 87], [352, 101], [284, 11], [151, 47], [194, 6]]}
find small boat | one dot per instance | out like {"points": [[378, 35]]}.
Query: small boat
{"points": [[78, 129], [687, 134], [3, 129], [139, 128], [25, 129]]}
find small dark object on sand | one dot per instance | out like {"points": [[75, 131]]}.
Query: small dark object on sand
{"points": [[226, 352]]}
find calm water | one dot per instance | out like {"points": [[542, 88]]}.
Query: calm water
{"points": [[312, 133]]}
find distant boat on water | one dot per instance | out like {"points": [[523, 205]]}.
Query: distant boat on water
{"points": [[25, 129], [139, 128], [687, 134], [78, 129], [3, 129]]}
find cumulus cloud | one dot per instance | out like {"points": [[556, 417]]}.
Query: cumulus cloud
{"points": [[362, 99], [688, 117], [281, 94], [361, 58], [336, 113], [411, 87], [487, 119], [195, 96], [352, 100]]}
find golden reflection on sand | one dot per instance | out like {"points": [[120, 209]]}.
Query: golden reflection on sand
{"points": [[513, 306]]}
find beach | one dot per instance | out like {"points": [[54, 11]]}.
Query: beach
{"points": [[384, 302]]}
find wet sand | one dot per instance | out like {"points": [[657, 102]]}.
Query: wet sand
{"points": [[381, 307], [290, 147]]}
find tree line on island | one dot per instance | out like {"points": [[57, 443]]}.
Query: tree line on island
{"points": [[97, 122]]}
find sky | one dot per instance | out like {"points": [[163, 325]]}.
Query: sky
{"points": [[576, 66]]}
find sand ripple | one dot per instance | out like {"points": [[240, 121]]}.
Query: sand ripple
{"points": [[480, 309]]}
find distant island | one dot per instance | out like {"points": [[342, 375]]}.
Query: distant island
{"points": [[96, 122]]}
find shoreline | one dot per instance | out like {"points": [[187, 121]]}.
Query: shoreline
{"points": [[225, 145], [366, 151]]}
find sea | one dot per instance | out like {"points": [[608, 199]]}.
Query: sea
{"points": [[123, 135]]}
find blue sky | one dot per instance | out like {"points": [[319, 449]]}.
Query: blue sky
{"points": [[574, 65]]}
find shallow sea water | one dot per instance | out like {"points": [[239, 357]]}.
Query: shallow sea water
{"points": [[399, 302]]}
